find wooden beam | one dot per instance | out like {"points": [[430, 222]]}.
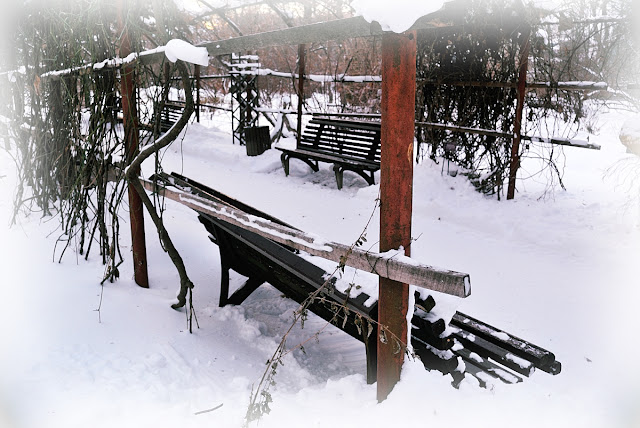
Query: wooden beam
{"points": [[320, 32], [339, 29], [392, 264]]}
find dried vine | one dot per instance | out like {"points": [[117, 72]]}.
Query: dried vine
{"points": [[261, 398], [63, 120], [479, 49]]}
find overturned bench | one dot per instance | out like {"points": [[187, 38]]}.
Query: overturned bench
{"points": [[457, 347], [348, 144]]}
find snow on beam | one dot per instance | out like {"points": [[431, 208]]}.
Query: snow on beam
{"points": [[391, 264], [339, 29]]}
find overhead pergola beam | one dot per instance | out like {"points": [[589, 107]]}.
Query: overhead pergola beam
{"points": [[339, 29], [221, 13]]}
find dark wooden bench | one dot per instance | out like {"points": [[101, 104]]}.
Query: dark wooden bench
{"points": [[347, 144], [488, 353], [168, 115]]}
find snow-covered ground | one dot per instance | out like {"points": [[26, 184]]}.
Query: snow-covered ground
{"points": [[558, 268]]}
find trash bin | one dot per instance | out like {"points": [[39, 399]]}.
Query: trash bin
{"points": [[257, 140]]}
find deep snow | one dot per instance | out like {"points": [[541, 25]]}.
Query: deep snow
{"points": [[557, 268]]}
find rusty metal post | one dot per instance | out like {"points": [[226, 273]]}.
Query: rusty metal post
{"points": [[302, 56], [396, 192], [130, 122], [197, 73], [517, 126]]}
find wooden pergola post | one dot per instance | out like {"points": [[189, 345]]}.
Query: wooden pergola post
{"points": [[517, 127], [396, 192], [130, 123]]}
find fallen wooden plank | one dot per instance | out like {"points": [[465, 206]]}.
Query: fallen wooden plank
{"points": [[392, 264]]}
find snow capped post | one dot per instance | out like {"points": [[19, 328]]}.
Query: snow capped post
{"points": [[396, 192], [130, 122]]}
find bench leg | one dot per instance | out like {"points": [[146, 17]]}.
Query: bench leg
{"points": [[224, 282], [371, 349], [241, 294], [312, 164], [369, 178], [339, 175], [284, 158]]}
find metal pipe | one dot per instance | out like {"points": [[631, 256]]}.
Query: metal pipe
{"points": [[301, 70], [196, 71]]}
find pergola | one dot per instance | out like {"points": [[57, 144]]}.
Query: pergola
{"points": [[397, 142]]}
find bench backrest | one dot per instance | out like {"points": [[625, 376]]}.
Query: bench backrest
{"points": [[350, 138], [170, 114]]}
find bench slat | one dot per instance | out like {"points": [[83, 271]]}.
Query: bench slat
{"points": [[313, 129], [365, 145], [346, 150], [328, 157], [353, 124]]}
